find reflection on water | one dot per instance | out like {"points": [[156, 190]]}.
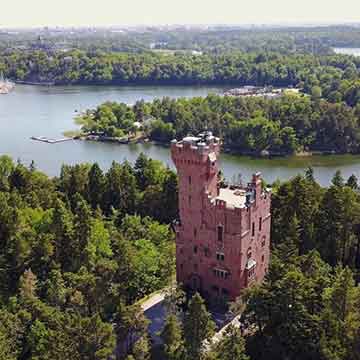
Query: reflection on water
{"points": [[49, 111]]}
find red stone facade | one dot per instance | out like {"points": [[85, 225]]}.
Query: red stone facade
{"points": [[223, 236]]}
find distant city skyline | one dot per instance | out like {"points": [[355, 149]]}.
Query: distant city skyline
{"points": [[35, 13]]}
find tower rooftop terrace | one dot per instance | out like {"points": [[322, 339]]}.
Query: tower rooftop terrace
{"points": [[202, 140], [233, 198]]}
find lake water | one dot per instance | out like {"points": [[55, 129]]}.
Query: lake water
{"points": [[42, 111], [348, 51]]}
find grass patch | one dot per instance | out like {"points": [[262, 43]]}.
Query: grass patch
{"points": [[72, 133]]}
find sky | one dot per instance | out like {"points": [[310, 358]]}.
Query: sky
{"points": [[30, 13]]}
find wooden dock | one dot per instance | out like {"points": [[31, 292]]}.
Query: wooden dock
{"points": [[49, 140]]}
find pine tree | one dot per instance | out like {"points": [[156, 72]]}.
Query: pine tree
{"points": [[298, 197], [63, 230], [141, 348], [198, 328], [56, 289], [174, 300], [121, 190], [283, 315], [6, 168], [337, 179], [82, 231], [231, 346], [289, 249], [32, 166], [93, 337], [338, 212], [11, 333], [309, 174], [140, 166], [352, 182], [172, 338], [170, 198], [130, 324], [95, 191], [341, 317], [77, 182], [19, 178]]}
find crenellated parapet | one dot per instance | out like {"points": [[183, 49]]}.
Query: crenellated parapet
{"points": [[196, 151]]}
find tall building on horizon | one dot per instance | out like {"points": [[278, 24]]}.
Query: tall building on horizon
{"points": [[223, 234]]}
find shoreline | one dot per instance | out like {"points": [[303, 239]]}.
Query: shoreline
{"points": [[34, 83], [301, 154], [125, 84]]}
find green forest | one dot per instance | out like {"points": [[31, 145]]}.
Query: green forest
{"points": [[209, 39], [78, 251], [332, 73], [248, 125]]}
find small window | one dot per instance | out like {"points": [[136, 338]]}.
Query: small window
{"points": [[253, 229], [263, 258], [260, 223], [189, 180], [181, 266], [215, 289], [251, 272], [263, 243], [195, 249], [189, 200], [220, 233], [195, 267], [220, 256], [223, 274], [195, 232]]}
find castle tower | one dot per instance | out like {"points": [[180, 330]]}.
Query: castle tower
{"points": [[223, 236]]}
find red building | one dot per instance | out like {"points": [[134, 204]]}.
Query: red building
{"points": [[223, 236]]}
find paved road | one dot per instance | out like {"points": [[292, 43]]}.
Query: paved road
{"points": [[153, 300], [235, 322], [155, 311]]}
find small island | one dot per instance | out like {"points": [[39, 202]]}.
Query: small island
{"points": [[293, 123]]}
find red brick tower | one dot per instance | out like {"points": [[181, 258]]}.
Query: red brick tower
{"points": [[223, 236]]}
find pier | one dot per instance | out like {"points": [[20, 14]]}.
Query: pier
{"points": [[49, 140]]}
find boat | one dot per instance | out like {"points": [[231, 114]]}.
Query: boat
{"points": [[5, 85]]}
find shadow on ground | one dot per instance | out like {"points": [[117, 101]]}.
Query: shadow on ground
{"points": [[157, 316]]}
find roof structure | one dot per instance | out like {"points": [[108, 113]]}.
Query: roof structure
{"points": [[235, 198]]}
